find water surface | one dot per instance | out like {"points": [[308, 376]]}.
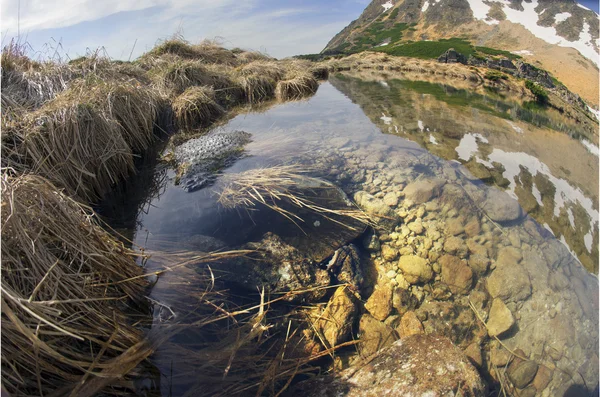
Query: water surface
{"points": [[382, 135]]}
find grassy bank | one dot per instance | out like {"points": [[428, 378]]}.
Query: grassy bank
{"points": [[72, 296]]}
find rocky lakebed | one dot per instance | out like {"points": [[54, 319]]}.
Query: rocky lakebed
{"points": [[451, 288]]}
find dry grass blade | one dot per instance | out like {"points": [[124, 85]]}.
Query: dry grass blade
{"points": [[277, 185]]}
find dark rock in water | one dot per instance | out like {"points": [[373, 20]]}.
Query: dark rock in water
{"points": [[418, 365], [452, 56], [345, 263], [201, 158], [275, 265], [319, 236]]}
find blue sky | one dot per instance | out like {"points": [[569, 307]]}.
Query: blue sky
{"points": [[280, 28]]}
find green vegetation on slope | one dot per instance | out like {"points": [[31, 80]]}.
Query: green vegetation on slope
{"points": [[541, 96], [433, 49], [376, 34], [495, 52], [430, 49]]}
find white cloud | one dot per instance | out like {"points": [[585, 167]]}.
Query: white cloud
{"points": [[40, 14], [279, 30]]}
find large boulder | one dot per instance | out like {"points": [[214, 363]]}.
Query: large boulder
{"points": [[452, 56], [418, 365]]}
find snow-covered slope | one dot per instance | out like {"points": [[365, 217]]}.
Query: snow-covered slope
{"points": [[531, 16]]}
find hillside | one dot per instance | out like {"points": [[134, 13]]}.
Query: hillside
{"points": [[558, 36]]}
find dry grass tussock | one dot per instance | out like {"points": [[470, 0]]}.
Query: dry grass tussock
{"points": [[207, 51], [58, 327], [196, 107], [172, 75], [299, 86], [285, 184], [85, 139]]}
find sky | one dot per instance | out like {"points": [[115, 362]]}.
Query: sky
{"points": [[125, 29], [131, 27]]}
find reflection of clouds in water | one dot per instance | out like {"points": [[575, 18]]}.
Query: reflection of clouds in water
{"points": [[512, 163]]}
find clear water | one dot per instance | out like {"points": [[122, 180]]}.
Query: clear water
{"points": [[383, 134]]}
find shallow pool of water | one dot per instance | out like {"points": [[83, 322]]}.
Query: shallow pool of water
{"points": [[388, 138]]}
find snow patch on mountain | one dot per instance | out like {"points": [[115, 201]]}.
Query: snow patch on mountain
{"points": [[387, 6], [529, 18], [522, 52], [480, 11], [562, 16]]}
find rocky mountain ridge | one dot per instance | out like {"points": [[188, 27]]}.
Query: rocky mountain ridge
{"points": [[559, 36]]}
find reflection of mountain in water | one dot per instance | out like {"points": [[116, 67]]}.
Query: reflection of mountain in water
{"points": [[528, 151]]}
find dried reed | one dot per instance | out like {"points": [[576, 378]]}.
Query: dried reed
{"points": [[286, 184]]}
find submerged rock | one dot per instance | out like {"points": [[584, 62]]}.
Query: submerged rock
{"points": [[500, 318], [415, 269], [456, 274], [418, 365], [521, 375], [345, 264], [376, 208], [500, 207], [379, 303], [423, 190], [374, 335], [275, 265], [200, 159], [337, 318]]}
